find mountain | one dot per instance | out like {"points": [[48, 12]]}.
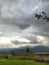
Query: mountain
{"points": [[9, 50], [39, 48]]}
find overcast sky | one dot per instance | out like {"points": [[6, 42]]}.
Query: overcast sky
{"points": [[18, 25]]}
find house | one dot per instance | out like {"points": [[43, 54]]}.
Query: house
{"points": [[42, 57]]}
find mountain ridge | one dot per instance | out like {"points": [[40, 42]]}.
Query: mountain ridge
{"points": [[39, 48]]}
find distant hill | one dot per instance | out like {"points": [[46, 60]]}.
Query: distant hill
{"points": [[39, 48]]}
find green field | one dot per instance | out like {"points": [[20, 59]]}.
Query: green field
{"points": [[12, 59], [19, 62]]}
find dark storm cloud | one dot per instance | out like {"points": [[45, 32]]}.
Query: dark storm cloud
{"points": [[22, 23], [18, 22]]}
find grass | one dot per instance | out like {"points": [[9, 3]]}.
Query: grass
{"points": [[21, 57], [19, 62]]}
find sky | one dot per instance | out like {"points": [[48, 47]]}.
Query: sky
{"points": [[18, 25]]}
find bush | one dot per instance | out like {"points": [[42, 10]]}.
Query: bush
{"points": [[6, 57]]}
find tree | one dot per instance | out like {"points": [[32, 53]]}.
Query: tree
{"points": [[27, 50], [13, 53], [6, 57], [43, 15]]}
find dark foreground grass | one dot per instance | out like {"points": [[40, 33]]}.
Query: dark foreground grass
{"points": [[19, 62]]}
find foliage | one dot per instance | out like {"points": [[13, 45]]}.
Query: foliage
{"points": [[43, 15], [27, 50], [13, 53], [6, 57]]}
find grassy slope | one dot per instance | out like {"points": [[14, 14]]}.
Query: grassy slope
{"points": [[18, 62]]}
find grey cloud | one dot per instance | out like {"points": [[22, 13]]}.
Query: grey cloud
{"points": [[9, 30], [33, 40], [45, 0], [24, 21], [17, 23], [16, 42]]}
